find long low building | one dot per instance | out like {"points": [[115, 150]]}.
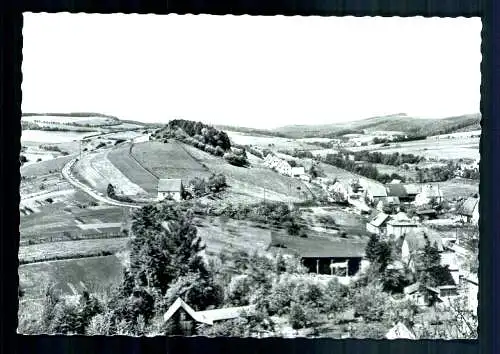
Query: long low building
{"points": [[323, 254]]}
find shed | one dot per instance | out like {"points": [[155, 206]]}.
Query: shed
{"points": [[172, 188]]}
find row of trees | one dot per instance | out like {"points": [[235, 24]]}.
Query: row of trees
{"points": [[365, 169], [394, 159], [208, 134]]}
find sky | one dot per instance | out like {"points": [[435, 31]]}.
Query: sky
{"points": [[260, 72]]}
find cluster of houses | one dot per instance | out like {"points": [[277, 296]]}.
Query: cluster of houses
{"points": [[283, 167]]}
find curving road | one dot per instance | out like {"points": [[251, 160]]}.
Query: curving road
{"points": [[66, 172]]}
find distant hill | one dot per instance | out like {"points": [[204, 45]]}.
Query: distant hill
{"points": [[251, 131], [396, 122]]}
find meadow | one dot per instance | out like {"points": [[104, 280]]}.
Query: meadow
{"points": [[168, 160], [54, 137], [269, 141]]}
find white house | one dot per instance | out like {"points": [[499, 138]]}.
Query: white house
{"points": [[400, 331], [298, 171], [339, 190], [400, 225], [377, 224], [170, 188], [429, 194], [280, 165]]}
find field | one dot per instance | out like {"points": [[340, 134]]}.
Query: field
{"points": [[345, 218], [269, 141], [54, 137], [70, 249], [168, 161], [222, 234], [333, 172], [458, 188], [465, 148], [389, 169], [137, 174], [76, 120], [45, 167], [95, 272], [256, 182]]}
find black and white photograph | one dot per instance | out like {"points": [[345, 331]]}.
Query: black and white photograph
{"points": [[249, 176]]}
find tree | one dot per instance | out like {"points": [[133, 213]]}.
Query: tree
{"points": [[199, 186], [378, 252], [369, 302], [216, 182]]}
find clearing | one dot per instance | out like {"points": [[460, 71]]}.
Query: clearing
{"points": [[269, 141], [96, 273]]}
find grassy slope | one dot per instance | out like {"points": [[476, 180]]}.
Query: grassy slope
{"points": [[168, 161], [93, 272], [398, 122], [252, 181]]}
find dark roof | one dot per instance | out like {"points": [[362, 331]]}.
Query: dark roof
{"points": [[379, 219], [410, 289], [319, 247], [170, 185], [467, 207], [396, 190]]}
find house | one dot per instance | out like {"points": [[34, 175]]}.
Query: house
{"points": [[400, 225], [449, 259], [305, 178], [170, 188], [405, 192], [400, 331], [375, 191], [298, 171], [415, 241], [189, 319], [279, 165], [378, 224], [429, 195], [469, 211], [321, 254], [388, 202]]}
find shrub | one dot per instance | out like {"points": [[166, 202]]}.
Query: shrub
{"points": [[236, 160]]}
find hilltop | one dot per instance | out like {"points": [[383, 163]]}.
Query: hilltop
{"points": [[397, 122]]}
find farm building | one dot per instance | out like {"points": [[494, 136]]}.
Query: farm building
{"points": [[400, 225], [378, 224], [429, 195], [425, 214], [415, 241], [170, 188], [469, 211], [188, 319], [323, 255]]}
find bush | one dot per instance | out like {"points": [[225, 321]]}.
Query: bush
{"points": [[235, 160]]}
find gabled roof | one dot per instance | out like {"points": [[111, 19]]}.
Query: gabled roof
{"points": [[410, 289], [379, 219], [376, 189], [400, 331], [208, 316], [412, 189], [426, 212], [467, 207], [298, 170], [169, 185], [179, 303]]}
